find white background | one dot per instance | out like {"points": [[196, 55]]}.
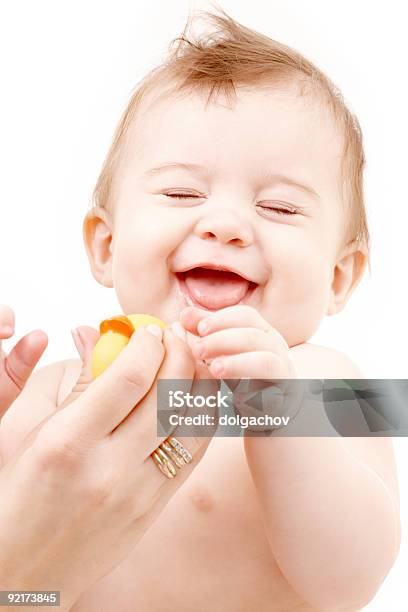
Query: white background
{"points": [[67, 70]]}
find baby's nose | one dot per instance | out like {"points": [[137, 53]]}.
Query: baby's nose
{"points": [[226, 226]]}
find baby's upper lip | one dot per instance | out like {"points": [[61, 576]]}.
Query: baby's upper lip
{"points": [[211, 265]]}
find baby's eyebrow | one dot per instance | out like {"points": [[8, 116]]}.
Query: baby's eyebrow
{"points": [[266, 178], [172, 165], [276, 179]]}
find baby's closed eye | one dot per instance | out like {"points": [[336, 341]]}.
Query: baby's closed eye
{"points": [[279, 208]]}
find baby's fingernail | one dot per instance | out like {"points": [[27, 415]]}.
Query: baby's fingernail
{"points": [[78, 342], [179, 330], [203, 327], [155, 330], [6, 330]]}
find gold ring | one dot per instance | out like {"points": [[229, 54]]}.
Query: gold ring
{"points": [[188, 457], [171, 453], [178, 459], [164, 456], [164, 465]]}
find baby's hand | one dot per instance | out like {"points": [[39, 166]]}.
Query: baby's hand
{"points": [[17, 366], [239, 343]]}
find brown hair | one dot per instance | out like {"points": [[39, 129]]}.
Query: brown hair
{"points": [[231, 55]]}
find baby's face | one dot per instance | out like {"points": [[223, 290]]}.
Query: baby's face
{"points": [[258, 193]]}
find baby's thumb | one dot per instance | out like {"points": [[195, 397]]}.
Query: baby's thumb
{"points": [[85, 339]]}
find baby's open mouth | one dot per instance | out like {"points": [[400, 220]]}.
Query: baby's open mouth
{"points": [[214, 289]]}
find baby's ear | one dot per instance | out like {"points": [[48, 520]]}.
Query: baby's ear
{"points": [[97, 232], [347, 273]]}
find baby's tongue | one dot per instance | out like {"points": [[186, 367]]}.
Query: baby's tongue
{"points": [[215, 289]]}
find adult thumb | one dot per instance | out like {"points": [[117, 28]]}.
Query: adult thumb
{"points": [[85, 339]]}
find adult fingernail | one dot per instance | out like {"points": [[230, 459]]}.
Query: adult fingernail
{"points": [[6, 330], [155, 330], [179, 330]]}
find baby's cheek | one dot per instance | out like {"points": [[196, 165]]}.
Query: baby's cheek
{"points": [[130, 281], [299, 298]]}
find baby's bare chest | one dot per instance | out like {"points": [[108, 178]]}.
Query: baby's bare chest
{"points": [[206, 551]]}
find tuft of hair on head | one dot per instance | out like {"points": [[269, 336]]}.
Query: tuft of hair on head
{"points": [[227, 55]]}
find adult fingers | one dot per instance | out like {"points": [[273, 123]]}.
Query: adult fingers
{"points": [[157, 483], [113, 395], [6, 325], [184, 447], [18, 366], [139, 430], [24, 356], [176, 456], [6, 322]]}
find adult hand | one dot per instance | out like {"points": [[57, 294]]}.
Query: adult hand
{"points": [[82, 489], [16, 367]]}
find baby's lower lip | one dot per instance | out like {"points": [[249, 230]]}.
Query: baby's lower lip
{"points": [[188, 300]]}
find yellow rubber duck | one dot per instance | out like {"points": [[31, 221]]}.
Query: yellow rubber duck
{"points": [[115, 334]]}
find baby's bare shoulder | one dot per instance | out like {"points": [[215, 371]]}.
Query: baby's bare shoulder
{"points": [[314, 361]]}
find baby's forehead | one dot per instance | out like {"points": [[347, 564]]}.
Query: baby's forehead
{"points": [[269, 125], [262, 109]]}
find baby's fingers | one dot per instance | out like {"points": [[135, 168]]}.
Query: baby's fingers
{"points": [[256, 364], [85, 339], [201, 322], [237, 340], [191, 316]]}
